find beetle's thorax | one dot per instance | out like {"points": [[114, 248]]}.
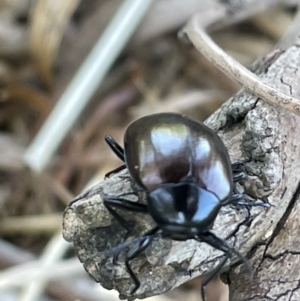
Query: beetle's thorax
{"points": [[182, 210]]}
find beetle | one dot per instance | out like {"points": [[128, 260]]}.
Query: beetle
{"points": [[185, 170]]}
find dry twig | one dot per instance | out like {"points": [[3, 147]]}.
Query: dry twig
{"points": [[234, 70]]}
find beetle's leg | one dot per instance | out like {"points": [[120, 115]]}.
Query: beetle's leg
{"points": [[236, 166], [115, 251], [134, 253], [122, 167], [239, 176], [123, 204], [141, 244], [253, 204], [221, 245], [239, 199], [116, 148], [238, 173], [148, 237]]}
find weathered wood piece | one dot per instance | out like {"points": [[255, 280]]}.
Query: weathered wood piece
{"points": [[267, 140]]}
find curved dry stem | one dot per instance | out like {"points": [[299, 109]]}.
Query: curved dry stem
{"points": [[236, 71]]}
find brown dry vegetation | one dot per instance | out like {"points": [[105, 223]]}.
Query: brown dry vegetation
{"points": [[41, 46]]}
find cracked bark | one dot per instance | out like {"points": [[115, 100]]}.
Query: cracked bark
{"points": [[266, 138]]}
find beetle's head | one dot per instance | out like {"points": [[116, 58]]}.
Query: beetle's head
{"points": [[183, 207]]}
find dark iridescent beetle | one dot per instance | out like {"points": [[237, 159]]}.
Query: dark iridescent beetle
{"points": [[185, 170]]}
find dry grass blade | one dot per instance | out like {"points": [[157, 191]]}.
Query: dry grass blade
{"points": [[12, 152], [274, 29], [34, 99], [62, 289], [85, 82], [52, 253], [292, 33], [31, 224], [24, 274], [46, 31], [182, 102]]}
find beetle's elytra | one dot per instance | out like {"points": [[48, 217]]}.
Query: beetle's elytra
{"points": [[185, 170]]}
